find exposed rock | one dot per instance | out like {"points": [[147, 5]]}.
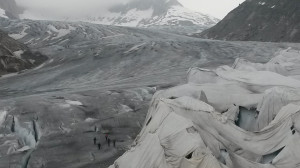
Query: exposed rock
{"points": [[12, 10], [259, 20], [15, 56]]}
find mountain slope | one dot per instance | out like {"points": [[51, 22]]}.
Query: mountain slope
{"points": [[15, 56], [163, 14], [147, 13], [155, 13], [9, 8], [259, 20]]}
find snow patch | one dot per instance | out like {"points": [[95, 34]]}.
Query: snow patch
{"points": [[20, 35], [64, 105], [133, 17], [75, 103], [9, 75], [18, 53], [29, 41], [2, 13], [125, 109], [25, 148], [177, 14], [261, 3], [40, 66], [90, 120], [61, 32]]}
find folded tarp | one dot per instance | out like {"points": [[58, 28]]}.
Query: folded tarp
{"points": [[195, 125]]}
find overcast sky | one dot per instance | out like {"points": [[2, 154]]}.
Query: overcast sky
{"points": [[58, 8], [217, 8]]}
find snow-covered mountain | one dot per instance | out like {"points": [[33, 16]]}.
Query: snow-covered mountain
{"points": [[159, 14], [102, 78], [147, 13], [168, 15]]}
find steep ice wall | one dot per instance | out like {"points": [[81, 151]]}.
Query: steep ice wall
{"points": [[243, 116]]}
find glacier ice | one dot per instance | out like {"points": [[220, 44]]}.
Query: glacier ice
{"points": [[195, 125]]}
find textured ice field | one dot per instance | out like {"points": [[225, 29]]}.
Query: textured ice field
{"points": [[100, 77]]}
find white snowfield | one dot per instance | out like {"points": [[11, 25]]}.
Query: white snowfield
{"points": [[198, 125], [2, 13], [179, 14]]}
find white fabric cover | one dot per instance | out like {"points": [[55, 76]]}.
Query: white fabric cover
{"points": [[193, 125]]}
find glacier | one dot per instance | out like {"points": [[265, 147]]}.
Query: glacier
{"points": [[194, 125], [100, 79]]}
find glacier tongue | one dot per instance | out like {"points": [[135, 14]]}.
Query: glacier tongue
{"points": [[182, 131]]}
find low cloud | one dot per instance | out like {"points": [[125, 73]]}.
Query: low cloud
{"points": [[47, 9], [65, 8], [217, 8]]}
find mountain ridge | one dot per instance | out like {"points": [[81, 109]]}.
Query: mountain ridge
{"points": [[167, 15], [15, 56], [10, 9], [154, 13], [259, 20]]}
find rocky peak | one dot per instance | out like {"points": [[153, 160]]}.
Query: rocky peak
{"points": [[11, 9], [260, 20]]}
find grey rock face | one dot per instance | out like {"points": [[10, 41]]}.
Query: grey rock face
{"points": [[11, 8], [15, 56], [257, 20]]}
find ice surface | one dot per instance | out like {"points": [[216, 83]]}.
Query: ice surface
{"points": [[61, 32], [72, 102], [134, 48], [177, 14], [134, 17], [182, 131], [18, 53], [89, 66], [3, 114], [20, 35]]}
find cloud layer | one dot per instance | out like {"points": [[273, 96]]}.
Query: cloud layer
{"points": [[61, 8], [77, 8], [216, 8]]}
